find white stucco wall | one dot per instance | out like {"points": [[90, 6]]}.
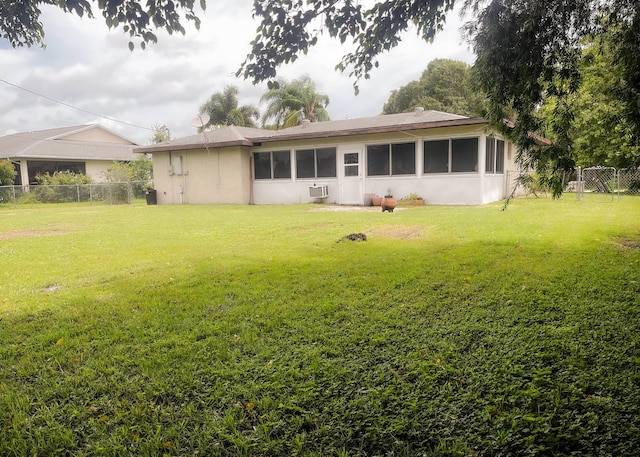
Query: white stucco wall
{"points": [[96, 169], [455, 188], [201, 176], [226, 175]]}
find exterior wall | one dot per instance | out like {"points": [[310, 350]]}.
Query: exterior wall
{"points": [[220, 175], [97, 135], [455, 188], [96, 169], [225, 175]]}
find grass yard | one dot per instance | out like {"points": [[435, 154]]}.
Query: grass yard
{"points": [[251, 331]]}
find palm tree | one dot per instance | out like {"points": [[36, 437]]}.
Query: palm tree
{"points": [[223, 109], [288, 103]]}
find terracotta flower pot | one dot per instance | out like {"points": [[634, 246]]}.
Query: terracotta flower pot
{"points": [[388, 203], [376, 201]]}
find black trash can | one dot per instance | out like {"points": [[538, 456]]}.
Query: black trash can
{"points": [[152, 197]]}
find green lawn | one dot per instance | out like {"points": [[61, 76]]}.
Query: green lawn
{"points": [[251, 331]]}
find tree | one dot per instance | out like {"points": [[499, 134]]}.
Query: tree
{"points": [[288, 103], [8, 173], [444, 86], [223, 109], [137, 173], [600, 132], [20, 19], [161, 133], [526, 50]]}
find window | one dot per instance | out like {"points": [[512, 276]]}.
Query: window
{"points": [[494, 156], [351, 161], [176, 164], [436, 156], [464, 155], [316, 163], [37, 167], [490, 155], [391, 159], [272, 165], [281, 164], [499, 156], [451, 156]]}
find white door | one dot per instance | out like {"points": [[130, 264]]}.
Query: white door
{"points": [[351, 174]]}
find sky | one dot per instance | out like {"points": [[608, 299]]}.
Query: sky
{"points": [[87, 66]]}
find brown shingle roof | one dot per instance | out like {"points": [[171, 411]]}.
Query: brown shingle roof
{"points": [[244, 136]]}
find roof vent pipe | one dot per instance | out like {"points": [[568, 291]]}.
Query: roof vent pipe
{"points": [[305, 122], [418, 110]]}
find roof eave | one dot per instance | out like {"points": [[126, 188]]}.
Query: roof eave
{"points": [[372, 130], [190, 147]]}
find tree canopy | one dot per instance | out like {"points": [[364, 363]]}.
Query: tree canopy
{"points": [[288, 103], [600, 132], [446, 85], [20, 19], [526, 50], [161, 133], [8, 173], [223, 109]]}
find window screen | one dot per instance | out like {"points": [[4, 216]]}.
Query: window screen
{"points": [[436, 156], [403, 159], [464, 155], [378, 160], [262, 165], [281, 164], [305, 163]]}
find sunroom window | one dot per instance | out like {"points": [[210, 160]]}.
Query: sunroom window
{"points": [[316, 163], [391, 159], [458, 155], [272, 165], [494, 156]]}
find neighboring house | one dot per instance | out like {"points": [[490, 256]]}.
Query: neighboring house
{"points": [[88, 149], [444, 158]]}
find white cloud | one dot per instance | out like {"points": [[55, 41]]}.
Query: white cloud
{"points": [[90, 67]]}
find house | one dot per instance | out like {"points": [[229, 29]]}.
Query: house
{"points": [[88, 149], [444, 158]]}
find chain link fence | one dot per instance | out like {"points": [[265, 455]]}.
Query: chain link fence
{"points": [[629, 181], [595, 183], [116, 193], [607, 183]]}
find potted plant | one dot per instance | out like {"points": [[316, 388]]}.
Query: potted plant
{"points": [[388, 202], [412, 199]]}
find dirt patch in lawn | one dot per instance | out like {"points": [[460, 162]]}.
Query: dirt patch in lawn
{"points": [[29, 234], [397, 232], [348, 208], [627, 243]]}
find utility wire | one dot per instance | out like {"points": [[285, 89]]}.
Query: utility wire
{"points": [[74, 107]]}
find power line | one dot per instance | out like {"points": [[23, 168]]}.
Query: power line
{"points": [[73, 107]]}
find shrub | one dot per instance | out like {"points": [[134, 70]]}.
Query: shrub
{"points": [[8, 173], [61, 187], [138, 173]]}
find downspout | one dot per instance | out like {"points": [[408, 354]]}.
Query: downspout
{"points": [[251, 201]]}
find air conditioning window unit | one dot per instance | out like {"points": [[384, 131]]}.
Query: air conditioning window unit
{"points": [[319, 191]]}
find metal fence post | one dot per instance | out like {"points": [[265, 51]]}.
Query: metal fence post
{"points": [[580, 184]]}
